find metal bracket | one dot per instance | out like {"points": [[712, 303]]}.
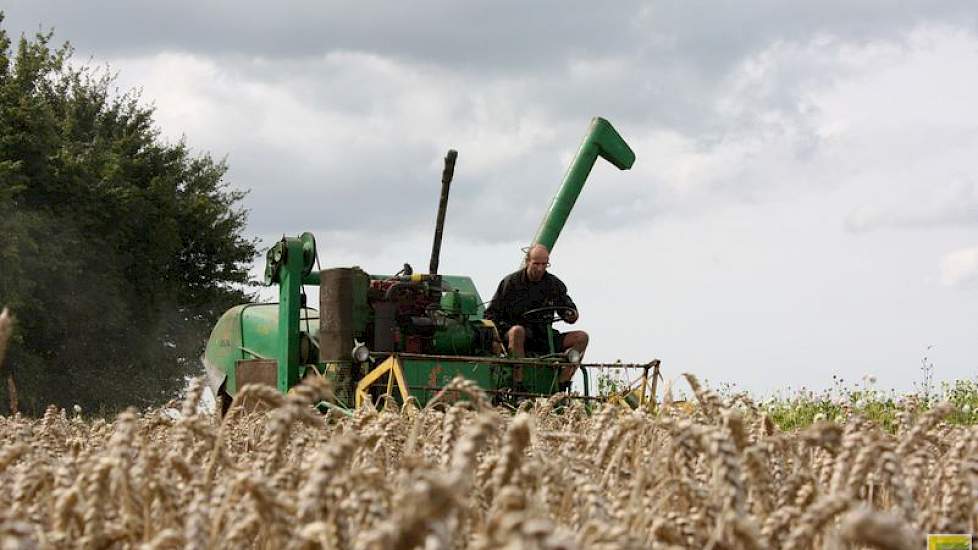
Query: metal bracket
{"points": [[392, 368], [642, 393]]}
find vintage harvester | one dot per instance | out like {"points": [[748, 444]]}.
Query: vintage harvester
{"points": [[404, 335]]}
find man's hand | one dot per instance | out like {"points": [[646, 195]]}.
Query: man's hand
{"points": [[570, 315]]}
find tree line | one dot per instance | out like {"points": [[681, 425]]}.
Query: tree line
{"points": [[118, 250]]}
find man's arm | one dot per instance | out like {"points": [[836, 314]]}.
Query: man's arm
{"points": [[564, 300], [496, 311]]}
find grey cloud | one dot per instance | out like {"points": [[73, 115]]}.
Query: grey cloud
{"points": [[396, 190], [391, 191], [675, 55], [644, 66], [368, 187], [506, 34]]}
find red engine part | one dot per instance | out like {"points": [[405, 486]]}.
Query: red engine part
{"points": [[411, 298], [414, 344], [401, 308]]}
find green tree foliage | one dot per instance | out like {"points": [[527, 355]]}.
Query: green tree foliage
{"points": [[118, 251]]}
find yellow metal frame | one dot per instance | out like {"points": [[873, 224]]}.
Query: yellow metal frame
{"points": [[643, 389], [392, 368]]}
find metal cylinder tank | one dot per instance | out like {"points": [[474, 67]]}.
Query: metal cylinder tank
{"points": [[336, 320], [343, 318]]}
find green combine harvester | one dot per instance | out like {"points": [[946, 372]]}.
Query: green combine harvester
{"points": [[404, 335]]}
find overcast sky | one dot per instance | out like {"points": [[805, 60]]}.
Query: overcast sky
{"points": [[804, 201]]}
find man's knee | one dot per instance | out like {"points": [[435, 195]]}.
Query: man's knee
{"points": [[516, 333], [576, 339]]}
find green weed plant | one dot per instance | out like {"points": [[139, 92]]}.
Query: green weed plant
{"points": [[801, 408]]}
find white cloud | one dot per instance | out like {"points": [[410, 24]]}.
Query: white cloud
{"points": [[960, 268], [926, 204]]}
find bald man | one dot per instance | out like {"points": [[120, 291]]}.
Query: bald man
{"points": [[529, 288]]}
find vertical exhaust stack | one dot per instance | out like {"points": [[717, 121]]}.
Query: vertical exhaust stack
{"points": [[601, 140], [343, 313], [446, 182]]}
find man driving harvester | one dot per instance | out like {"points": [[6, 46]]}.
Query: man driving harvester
{"points": [[513, 310]]}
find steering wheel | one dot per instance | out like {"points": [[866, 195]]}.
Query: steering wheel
{"points": [[549, 314]]}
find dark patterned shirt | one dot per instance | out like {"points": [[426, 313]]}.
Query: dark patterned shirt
{"points": [[517, 294]]}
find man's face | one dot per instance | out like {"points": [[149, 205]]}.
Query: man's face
{"points": [[536, 263]]}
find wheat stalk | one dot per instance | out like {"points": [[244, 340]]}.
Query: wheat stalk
{"points": [[469, 476]]}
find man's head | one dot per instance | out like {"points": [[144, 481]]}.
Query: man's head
{"points": [[537, 261]]}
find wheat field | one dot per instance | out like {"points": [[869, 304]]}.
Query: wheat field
{"points": [[461, 474]]}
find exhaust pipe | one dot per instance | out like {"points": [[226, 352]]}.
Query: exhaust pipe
{"points": [[446, 181]]}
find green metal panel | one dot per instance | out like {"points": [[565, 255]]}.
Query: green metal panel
{"points": [[454, 339], [456, 302], [249, 331], [450, 302], [290, 284], [424, 377], [601, 140], [259, 331], [465, 284], [540, 379], [223, 348]]}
